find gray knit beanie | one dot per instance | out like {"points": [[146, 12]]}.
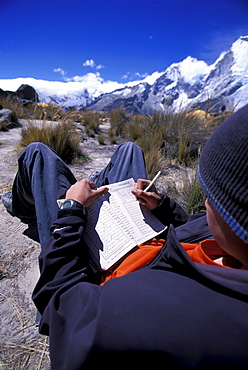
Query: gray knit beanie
{"points": [[223, 171]]}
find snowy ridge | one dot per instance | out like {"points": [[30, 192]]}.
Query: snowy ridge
{"points": [[184, 84], [224, 84]]}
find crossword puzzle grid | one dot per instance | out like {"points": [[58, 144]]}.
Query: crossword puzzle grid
{"points": [[112, 236]]}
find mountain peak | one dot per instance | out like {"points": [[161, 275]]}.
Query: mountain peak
{"points": [[244, 38], [182, 84], [240, 54]]}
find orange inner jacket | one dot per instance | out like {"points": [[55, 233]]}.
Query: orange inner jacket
{"points": [[205, 252]]}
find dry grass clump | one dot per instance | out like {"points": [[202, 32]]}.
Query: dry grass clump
{"points": [[181, 183], [43, 111], [176, 137], [62, 137], [91, 121], [135, 127], [101, 139], [118, 120], [171, 137], [195, 197]]}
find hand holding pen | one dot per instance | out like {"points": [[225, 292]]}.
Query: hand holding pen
{"points": [[148, 197]]}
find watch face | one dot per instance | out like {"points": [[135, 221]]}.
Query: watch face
{"points": [[74, 207], [66, 204]]}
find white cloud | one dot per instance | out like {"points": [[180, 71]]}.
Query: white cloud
{"points": [[125, 77], [134, 76], [89, 63], [100, 66], [139, 75], [60, 70], [89, 77]]}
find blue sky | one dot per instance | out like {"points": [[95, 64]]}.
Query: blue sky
{"points": [[120, 40]]}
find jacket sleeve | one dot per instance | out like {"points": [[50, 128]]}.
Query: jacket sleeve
{"points": [[62, 261], [189, 228], [169, 212]]}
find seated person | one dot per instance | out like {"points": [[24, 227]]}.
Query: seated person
{"points": [[180, 302]]}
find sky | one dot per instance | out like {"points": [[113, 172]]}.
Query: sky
{"points": [[64, 40]]}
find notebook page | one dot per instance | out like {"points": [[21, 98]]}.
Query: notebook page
{"points": [[139, 220]]}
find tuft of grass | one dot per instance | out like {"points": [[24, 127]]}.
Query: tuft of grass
{"points": [[153, 162], [101, 139], [91, 121], [177, 136], [43, 111], [112, 136], [135, 128], [118, 120], [195, 197], [62, 137]]}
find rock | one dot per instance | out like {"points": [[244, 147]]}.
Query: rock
{"points": [[27, 93], [6, 119], [7, 94]]}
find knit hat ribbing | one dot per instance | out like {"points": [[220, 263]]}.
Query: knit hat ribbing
{"points": [[223, 171]]}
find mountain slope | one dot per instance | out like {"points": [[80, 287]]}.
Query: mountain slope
{"points": [[188, 83], [191, 82]]}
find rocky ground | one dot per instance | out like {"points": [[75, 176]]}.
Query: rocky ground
{"points": [[21, 347]]}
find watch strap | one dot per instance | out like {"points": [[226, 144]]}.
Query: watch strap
{"points": [[71, 207]]}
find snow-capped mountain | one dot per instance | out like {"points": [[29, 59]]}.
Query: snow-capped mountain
{"points": [[188, 83]]}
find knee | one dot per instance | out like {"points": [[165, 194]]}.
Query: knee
{"points": [[129, 145], [37, 146]]}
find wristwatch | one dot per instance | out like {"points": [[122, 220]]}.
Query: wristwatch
{"points": [[71, 207]]}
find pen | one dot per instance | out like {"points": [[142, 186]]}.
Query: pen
{"points": [[153, 181]]}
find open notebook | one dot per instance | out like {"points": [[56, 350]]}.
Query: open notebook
{"points": [[116, 224]]}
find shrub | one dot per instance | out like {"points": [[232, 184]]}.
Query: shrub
{"points": [[118, 120], [153, 162], [112, 136], [101, 139], [43, 111], [91, 121], [135, 128], [62, 137], [75, 115], [177, 136], [195, 197]]}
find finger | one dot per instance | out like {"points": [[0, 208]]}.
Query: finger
{"points": [[141, 184], [103, 191], [92, 184], [139, 194], [99, 192]]}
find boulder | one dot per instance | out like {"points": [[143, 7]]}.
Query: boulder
{"points": [[6, 119], [27, 93], [7, 94]]}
